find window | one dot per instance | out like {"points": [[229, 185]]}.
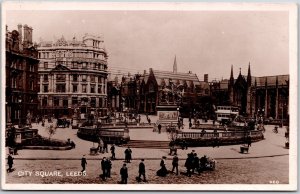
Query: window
{"points": [[83, 78], [14, 82], [45, 78], [100, 102], [93, 102], [31, 68], [75, 88], [99, 79], [75, 66], [45, 65], [83, 88], [92, 89], [45, 88], [65, 102], [31, 85], [74, 100], [99, 89], [44, 101], [75, 77], [56, 101], [61, 77], [84, 65], [92, 78], [60, 87]]}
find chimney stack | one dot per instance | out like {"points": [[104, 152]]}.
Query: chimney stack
{"points": [[20, 36], [27, 41], [206, 78]]}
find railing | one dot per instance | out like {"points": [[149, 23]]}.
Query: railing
{"points": [[208, 135]]}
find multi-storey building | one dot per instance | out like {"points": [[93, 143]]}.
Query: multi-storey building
{"points": [[267, 95], [21, 75], [73, 76]]}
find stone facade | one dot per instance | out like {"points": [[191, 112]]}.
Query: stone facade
{"points": [[73, 76], [21, 75]]}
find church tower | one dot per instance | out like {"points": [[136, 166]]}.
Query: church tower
{"points": [[175, 65]]}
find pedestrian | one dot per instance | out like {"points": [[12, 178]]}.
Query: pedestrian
{"points": [[149, 121], [190, 125], [142, 171], [163, 170], [105, 149], [175, 163], [249, 141], [189, 164], [10, 162], [83, 163], [159, 128], [196, 163], [108, 166], [104, 168], [128, 155], [101, 145], [203, 162], [184, 145], [124, 174], [113, 154]]}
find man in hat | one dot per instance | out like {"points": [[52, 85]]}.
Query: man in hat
{"points": [[124, 174], [142, 170], [175, 163], [104, 168], [128, 155], [10, 162], [83, 163], [113, 154]]}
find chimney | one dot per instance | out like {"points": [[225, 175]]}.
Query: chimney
{"points": [[27, 41], [206, 78], [145, 72], [20, 36]]}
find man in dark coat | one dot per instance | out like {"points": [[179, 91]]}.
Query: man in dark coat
{"points": [[159, 128], [142, 170], [196, 163], [128, 155], [175, 163], [189, 164], [104, 168], [10, 162], [113, 154], [124, 174], [108, 165], [105, 147], [83, 163]]}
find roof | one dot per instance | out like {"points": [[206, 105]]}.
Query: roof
{"points": [[271, 80], [168, 76]]}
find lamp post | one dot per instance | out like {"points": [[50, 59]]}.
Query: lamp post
{"points": [[20, 106]]}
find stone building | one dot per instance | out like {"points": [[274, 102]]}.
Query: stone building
{"points": [[266, 95], [73, 76], [158, 84], [21, 75]]}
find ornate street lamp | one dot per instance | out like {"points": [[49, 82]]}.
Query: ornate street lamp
{"points": [[20, 106]]}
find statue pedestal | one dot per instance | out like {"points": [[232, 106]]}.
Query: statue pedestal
{"points": [[167, 115]]}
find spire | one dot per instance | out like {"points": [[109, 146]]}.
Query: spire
{"points": [[231, 82], [240, 71], [249, 75], [175, 65], [231, 73]]}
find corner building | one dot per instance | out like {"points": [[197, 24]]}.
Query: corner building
{"points": [[73, 76], [21, 66]]}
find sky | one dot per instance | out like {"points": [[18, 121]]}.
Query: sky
{"points": [[203, 41]]}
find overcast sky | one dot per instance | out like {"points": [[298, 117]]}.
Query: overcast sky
{"points": [[203, 41]]}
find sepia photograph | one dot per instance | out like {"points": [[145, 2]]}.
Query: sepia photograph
{"points": [[149, 96]]}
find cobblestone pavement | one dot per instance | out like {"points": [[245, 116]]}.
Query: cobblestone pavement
{"points": [[258, 166], [232, 171]]}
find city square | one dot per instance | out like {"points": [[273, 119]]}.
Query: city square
{"points": [[148, 97]]}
